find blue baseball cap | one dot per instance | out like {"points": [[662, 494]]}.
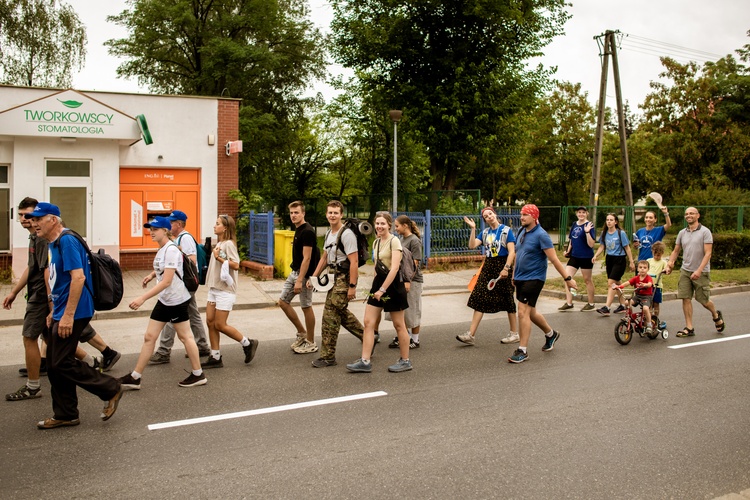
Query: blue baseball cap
{"points": [[43, 208], [158, 223], [178, 215]]}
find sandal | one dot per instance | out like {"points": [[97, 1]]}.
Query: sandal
{"points": [[686, 332], [719, 317], [24, 393]]}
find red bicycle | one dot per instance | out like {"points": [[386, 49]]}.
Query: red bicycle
{"points": [[634, 322]]}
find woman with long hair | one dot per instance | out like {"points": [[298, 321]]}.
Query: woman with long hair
{"points": [[387, 293], [172, 306], [411, 239], [616, 243], [221, 280], [493, 291]]}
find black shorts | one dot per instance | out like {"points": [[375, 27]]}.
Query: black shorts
{"points": [[528, 291], [580, 263], [171, 314], [615, 266]]}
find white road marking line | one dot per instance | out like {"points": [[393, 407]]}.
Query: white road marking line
{"points": [[262, 411], [713, 341]]}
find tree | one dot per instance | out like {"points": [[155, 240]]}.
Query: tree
{"points": [[42, 42], [559, 143], [265, 52], [455, 67]]}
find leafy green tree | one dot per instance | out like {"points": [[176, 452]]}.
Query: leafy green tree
{"points": [[265, 52], [455, 67], [42, 42], [559, 143]]}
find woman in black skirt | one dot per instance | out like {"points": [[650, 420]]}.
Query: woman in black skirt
{"points": [[387, 293], [493, 291]]}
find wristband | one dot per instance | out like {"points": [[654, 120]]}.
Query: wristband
{"points": [[568, 278], [352, 285]]}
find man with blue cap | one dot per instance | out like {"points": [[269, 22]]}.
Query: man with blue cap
{"points": [[72, 309], [189, 247]]}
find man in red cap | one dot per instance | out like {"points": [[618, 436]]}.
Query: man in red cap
{"points": [[533, 248]]}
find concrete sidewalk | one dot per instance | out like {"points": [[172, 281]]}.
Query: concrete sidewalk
{"points": [[254, 294]]}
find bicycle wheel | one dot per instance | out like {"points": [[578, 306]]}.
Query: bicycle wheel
{"points": [[623, 334], [654, 327]]}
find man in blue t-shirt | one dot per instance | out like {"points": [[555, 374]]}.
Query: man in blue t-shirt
{"points": [[533, 248], [579, 253], [647, 236], [72, 308]]}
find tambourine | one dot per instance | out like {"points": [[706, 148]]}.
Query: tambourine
{"points": [[322, 283]]}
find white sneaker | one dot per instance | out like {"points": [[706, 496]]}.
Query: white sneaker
{"points": [[298, 342], [466, 338], [306, 347], [511, 339]]}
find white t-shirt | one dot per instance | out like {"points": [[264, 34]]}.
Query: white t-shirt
{"points": [[169, 257], [186, 243]]}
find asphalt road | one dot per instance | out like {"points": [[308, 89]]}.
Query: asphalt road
{"points": [[591, 419]]}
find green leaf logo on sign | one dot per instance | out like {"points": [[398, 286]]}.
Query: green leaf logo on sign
{"points": [[71, 104]]}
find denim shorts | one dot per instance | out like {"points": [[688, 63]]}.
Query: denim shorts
{"points": [[305, 295]]}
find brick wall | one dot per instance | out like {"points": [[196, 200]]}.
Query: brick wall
{"points": [[140, 260], [228, 166]]}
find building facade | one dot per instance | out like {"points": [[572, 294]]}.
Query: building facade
{"points": [[110, 161]]}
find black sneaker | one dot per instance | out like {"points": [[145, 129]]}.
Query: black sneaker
{"points": [[204, 351], [549, 343], [604, 311], [413, 345], [377, 336], [212, 362], [394, 343], [620, 309], [193, 380], [323, 363], [250, 350], [109, 361], [97, 365], [42, 369], [128, 382]]}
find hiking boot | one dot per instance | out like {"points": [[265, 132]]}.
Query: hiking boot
{"points": [[212, 362], [393, 344], [359, 366], [128, 382], [413, 345], [250, 350], [565, 307], [193, 380], [111, 407], [620, 309], [307, 347], [109, 361], [588, 307], [24, 393], [512, 338], [42, 369], [322, 363], [53, 423], [467, 338], [402, 365], [549, 343], [604, 311], [518, 356], [158, 358], [298, 342]]}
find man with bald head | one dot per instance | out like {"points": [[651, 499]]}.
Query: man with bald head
{"points": [[696, 242]]}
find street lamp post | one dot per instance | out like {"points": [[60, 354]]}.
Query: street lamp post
{"points": [[395, 115]]}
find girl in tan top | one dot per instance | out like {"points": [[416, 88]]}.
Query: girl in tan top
{"points": [[222, 294]]}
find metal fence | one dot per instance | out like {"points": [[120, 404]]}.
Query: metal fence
{"points": [[449, 234], [255, 234]]}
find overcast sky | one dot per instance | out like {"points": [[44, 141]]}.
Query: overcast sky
{"points": [[685, 29]]}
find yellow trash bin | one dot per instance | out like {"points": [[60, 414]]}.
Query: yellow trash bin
{"points": [[282, 251]]}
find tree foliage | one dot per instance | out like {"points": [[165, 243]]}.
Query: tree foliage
{"points": [[42, 42], [455, 67]]}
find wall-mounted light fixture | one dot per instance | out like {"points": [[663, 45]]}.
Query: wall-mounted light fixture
{"points": [[68, 139], [211, 139]]}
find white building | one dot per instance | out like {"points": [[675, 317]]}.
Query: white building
{"points": [[91, 153]]}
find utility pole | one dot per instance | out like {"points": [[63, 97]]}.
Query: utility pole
{"points": [[609, 48]]}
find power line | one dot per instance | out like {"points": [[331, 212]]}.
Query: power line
{"points": [[672, 45]]}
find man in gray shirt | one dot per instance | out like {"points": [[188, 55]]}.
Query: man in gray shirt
{"points": [[697, 243]]}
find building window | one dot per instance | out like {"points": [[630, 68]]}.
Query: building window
{"points": [[68, 168], [4, 209]]}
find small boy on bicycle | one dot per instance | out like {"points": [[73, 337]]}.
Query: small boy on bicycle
{"points": [[644, 290]]}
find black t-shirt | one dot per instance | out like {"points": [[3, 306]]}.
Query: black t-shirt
{"points": [[38, 261], [304, 236]]}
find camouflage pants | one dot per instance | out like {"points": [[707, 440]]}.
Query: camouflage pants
{"points": [[335, 315]]}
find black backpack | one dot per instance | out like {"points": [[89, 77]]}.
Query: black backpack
{"points": [[106, 277], [362, 247], [189, 272]]}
